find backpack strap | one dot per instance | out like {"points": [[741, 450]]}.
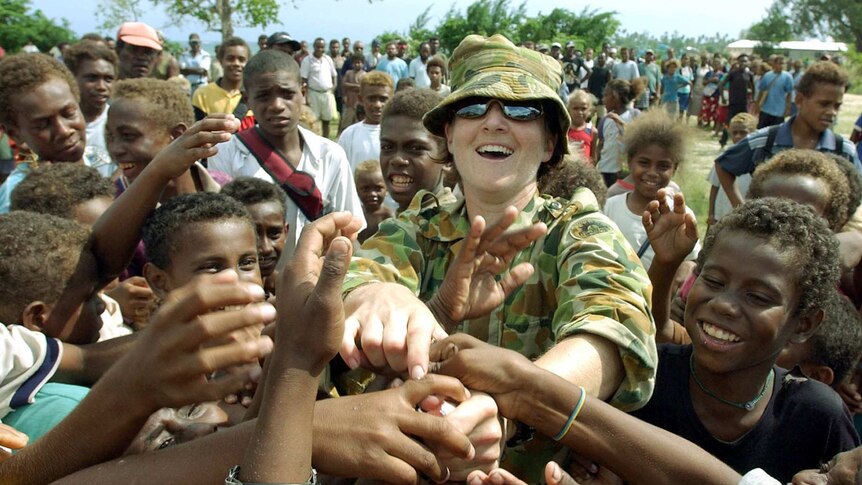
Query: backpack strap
{"points": [[299, 185], [839, 145], [770, 142]]}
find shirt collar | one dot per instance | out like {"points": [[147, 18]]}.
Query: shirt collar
{"points": [[784, 137]]}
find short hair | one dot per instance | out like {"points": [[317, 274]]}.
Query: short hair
{"points": [[656, 128], [366, 166], [354, 58], [815, 165], [854, 181], [405, 83], [162, 232], [165, 103], [88, 50], [582, 95], [823, 72], [94, 37], [251, 190], [376, 78], [268, 61], [436, 61], [625, 90], [838, 342], [792, 228], [572, 173], [22, 73], [38, 255], [232, 42], [746, 119], [58, 188], [413, 104], [672, 62]]}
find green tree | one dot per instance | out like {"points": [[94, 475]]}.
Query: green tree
{"points": [[589, 28], [221, 15], [483, 17], [839, 19], [19, 23], [775, 27], [112, 13]]}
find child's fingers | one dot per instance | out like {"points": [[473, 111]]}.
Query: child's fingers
{"points": [[468, 251], [447, 387], [690, 226], [12, 438], [213, 326], [205, 140], [516, 277], [555, 475], [493, 232], [204, 295], [215, 389], [208, 360], [326, 295], [438, 434]]}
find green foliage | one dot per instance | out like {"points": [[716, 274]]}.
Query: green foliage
{"points": [[483, 17], [839, 19], [678, 42], [19, 23], [112, 13], [222, 15], [775, 27], [589, 28]]}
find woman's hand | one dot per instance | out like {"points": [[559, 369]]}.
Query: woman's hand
{"points": [[471, 287], [672, 232], [554, 475]]}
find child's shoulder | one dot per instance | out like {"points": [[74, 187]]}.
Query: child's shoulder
{"points": [[799, 393]]}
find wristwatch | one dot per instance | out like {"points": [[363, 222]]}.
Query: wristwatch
{"points": [[233, 479]]}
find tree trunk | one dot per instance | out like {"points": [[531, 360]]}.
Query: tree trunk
{"points": [[225, 11]]}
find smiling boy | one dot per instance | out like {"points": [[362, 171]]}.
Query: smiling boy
{"points": [[361, 141], [819, 97], [225, 95]]}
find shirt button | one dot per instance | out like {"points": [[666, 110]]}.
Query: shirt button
{"points": [[555, 205]]}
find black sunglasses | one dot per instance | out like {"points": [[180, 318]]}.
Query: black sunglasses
{"points": [[514, 110]]}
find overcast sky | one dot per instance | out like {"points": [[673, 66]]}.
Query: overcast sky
{"points": [[360, 19]]}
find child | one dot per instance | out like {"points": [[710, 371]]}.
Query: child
{"points": [[572, 173], [580, 134], [224, 95], [312, 170], [655, 145], [39, 108], [265, 202], [405, 83], [411, 158], [436, 67], [361, 141], [832, 352], [724, 392], [350, 86], [94, 66], [818, 96], [618, 95], [671, 83], [741, 126], [372, 193]]}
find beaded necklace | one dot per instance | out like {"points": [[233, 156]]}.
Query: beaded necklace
{"points": [[748, 405]]}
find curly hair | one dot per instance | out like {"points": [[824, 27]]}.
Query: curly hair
{"points": [[813, 164], [854, 180], [626, 91], [376, 78], [437, 61], [88, 50], [268, 61], [164, 103], [745, 119], [792, 229], [655, 127], [571, 174], [838, 342], [824, 72], [38, 256], [250, 191], [22, 73], [58, 188], [366, 166]]}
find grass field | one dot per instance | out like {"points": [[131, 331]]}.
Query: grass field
{"points": [[704, 149]]}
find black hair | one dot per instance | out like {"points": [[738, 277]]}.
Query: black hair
{"points": [[838, 342], [268, 61], [58, 188], [163, 230], [232, 42], [251, 190]]}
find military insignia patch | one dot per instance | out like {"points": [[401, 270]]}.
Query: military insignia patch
{"points": [[590, 227]]}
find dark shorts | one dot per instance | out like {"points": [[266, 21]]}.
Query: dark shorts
{"points": [[767, 119]]}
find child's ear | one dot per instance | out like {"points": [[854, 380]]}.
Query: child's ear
{"points": [[178, 130], [35, 315], [806, 325], [157, 278], [822, 373]]}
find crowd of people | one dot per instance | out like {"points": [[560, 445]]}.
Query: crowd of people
{"points": [[296, 266]]}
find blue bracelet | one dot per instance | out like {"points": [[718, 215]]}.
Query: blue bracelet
{"points": [[572, 416]]}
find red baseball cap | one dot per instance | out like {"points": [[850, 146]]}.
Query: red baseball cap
{"points": [[139, 34]]}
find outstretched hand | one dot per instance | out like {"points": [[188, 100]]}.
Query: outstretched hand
{"points": [[554, 475], [10, 439], [672, 232], [197, 142], [472, 286]]}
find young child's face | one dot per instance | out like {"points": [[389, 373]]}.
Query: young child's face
{"points": [[209, 248], [168, 426], [133, 138], [234, 59], [435, 74], [579, 109], [611, 100], [738, 318], [276, 99], [95, 78], [271, 233], [803, 189], [406, 151], [820, 109], [88, 212], [373, 98], [50, 122], [358, 65], [371, 189], [738, 131], [651, 169]]}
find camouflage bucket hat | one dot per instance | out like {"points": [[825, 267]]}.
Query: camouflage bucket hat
{"points": [[494, 67]]}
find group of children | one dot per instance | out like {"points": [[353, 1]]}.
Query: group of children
{"points": [[211, 221]]}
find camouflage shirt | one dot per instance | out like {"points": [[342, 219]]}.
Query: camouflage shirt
{"points": [[587, 280]]}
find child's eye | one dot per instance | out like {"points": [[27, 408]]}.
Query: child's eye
{"points": [[711, 282], [209, 268], [274, 234], [247, 264], [759, 299], [385, 147], [168, 442]]}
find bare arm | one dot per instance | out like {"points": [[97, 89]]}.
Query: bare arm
{"points": [[588, 360], [84, 365], [728, 183]]}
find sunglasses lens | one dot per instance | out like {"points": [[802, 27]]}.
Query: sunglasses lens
{"points": [[472, 111], [522, 113]]}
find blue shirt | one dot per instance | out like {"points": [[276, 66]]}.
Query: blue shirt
{"points": [[778, 91], [750, 152], [15, 178], [396, 68], [670, 87]]}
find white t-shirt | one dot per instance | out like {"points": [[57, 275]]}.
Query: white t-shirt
{"points": [[113, 325], [419, 73], [96, 153], [27, 361], [323, 159], [612, 147], [722, 202], [625, 70], [631, 225], [361, 141], [202, 60], [318, 72]]}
